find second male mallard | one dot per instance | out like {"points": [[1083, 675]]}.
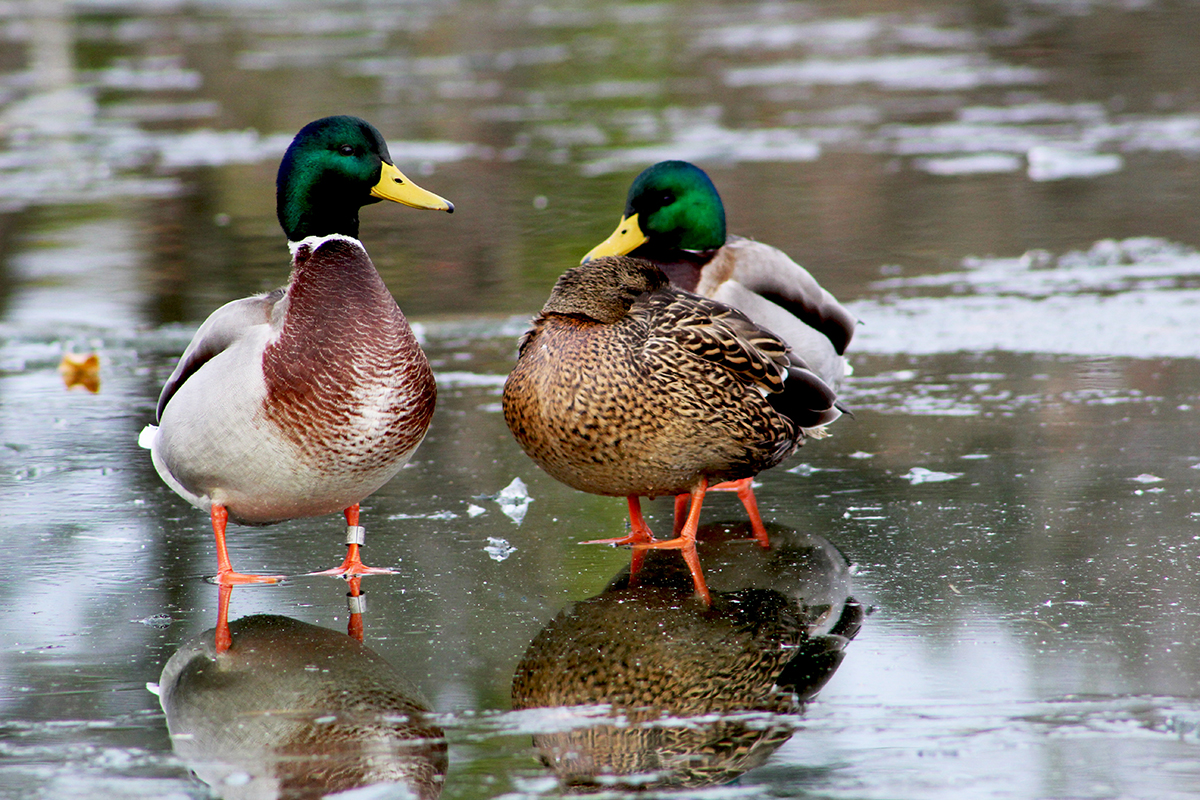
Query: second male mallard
{"points": [[674, 217], [627, 386]]}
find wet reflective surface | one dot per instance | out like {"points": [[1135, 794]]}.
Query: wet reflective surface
{"points": [[992, 568], [296, 710], [671, 693]]}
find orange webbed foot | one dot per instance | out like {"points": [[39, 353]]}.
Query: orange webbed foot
{"points": [[352, 566], [685, 542], [231, 578]]}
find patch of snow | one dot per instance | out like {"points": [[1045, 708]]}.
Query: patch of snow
{"points": [[951, 72], [918, 475], [499, 549], [431, 515], [514, 500], [1051, 163], [974, 164]]}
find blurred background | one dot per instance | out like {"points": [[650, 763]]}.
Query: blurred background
{"points": [[857, 137]]}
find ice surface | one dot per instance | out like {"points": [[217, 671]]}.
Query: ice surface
{"points": [[1048, 163], [918, 475], [498, 548], [1043, 304], [514, 500]]}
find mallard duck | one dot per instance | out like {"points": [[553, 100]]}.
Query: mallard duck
{"points": [[305, 400], [665, 694], [688, 714], [675, 218], [627, 386], [293, 710]]}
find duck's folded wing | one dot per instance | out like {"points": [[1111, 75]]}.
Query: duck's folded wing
{"points": [[223, 327], [719, 334], [770, 273], [683, 323]]}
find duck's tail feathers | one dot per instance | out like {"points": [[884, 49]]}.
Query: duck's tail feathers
{"points": [[806, 399], [147, 436]]}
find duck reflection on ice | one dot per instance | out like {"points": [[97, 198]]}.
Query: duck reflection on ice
{"points": [[690, 696], [293, 710]]}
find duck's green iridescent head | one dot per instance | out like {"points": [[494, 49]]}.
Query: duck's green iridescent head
{"points": [[334, 167], [671, 206]]}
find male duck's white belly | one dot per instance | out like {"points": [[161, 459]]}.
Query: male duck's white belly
{"points": [[216, 444]]}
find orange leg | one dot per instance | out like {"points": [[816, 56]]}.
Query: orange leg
{"points": [[686, 542], [353, 565], [224, 637], [225, 574], [681, 508], [357, 602], [745, 493]]}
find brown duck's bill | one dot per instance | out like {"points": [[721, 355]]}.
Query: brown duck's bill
{"points": [[625, 239], [394, 185]]}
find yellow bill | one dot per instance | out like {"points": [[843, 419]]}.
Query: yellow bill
{"points": [[625, 239], [394, 185]]}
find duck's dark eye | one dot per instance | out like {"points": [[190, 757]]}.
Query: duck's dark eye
{"points": [[665, 199], [346, 150]]}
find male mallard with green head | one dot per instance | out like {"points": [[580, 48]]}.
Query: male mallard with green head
{"points": [[305, 400], [674, 217], [629, 387]]}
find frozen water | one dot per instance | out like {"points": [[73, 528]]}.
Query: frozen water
{"points": [[514, 500], [499, 549], [918, 475], [1047, 163], [1037, 303], [897, 72], [970, 164], [1015, 231]]}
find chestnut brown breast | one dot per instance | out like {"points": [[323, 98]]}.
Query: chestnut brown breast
{"points": [[346, 381]]}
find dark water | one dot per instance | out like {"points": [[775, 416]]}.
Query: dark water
{"points": [[986, 582]]}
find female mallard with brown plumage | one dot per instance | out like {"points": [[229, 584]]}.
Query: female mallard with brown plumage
{"points": [[626, 386], [675, 218]]}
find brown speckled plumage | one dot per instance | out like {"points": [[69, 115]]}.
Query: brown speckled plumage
{"points": [[626, 386], [670, 685], [674, 218]]}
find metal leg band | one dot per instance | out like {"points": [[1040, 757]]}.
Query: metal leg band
{"points": [[356, 603], [356, 534]]}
